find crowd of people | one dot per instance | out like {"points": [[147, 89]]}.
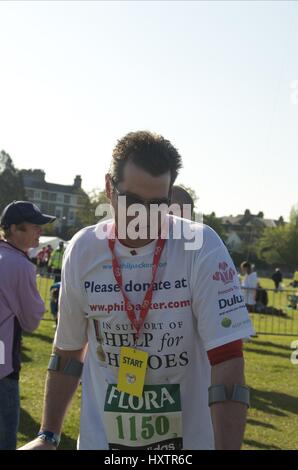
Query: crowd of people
{"points": [[48, 260]]}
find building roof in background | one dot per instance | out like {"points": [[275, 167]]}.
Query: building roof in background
{"points": [[247, 220], [36, 179]]}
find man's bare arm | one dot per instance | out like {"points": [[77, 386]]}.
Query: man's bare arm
{"points": [[228, 417], [59, 390]]}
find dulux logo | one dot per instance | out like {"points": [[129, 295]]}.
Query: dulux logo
{"points": [[225, 274], [236, 299]]}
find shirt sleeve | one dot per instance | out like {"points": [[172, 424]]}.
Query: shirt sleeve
{"points": [[217, 299], [71, 333], [254, 281], [30, 305]]}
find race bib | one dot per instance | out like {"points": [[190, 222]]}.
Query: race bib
{"points": [[150, 422]]}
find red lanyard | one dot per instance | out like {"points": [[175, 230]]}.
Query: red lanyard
{"points": [[148, 297]]}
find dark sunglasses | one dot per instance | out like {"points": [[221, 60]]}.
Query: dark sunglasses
{"points": [[134, 199]]}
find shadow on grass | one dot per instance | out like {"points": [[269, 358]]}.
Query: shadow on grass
{"points": [[29, 428], [265, 352], [24, 356], [67, 443], [275, 403], [269, 344], [254, 422], [45, 338], [260, 445]]}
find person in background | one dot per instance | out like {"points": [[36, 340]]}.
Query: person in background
{"points": [[261, 299], [55, 262], [54, 291], [49, 251], [21, 307], [277, 278], [181, 197], [249, 285], [48, 256], [294, 283], [41, 260]]}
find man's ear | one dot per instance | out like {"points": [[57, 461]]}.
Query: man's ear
{"points": [[13, 229], [109, 189]]}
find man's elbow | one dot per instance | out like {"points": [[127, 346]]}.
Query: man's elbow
{"points": [[229, 373], [30, 321]]}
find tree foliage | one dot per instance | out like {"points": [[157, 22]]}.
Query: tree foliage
{"points": [[279, 245], [215, 223], [11, 183]]}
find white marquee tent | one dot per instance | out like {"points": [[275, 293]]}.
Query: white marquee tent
{"points": [[44, 241]]}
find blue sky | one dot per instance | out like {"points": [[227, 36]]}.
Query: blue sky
{"points": [[213, 77]]}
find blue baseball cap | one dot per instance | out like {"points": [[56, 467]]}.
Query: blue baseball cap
{"points": [[23, 211]]}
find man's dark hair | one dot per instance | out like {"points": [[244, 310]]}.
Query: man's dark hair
{"points": [[246, 264], [149, 151]]}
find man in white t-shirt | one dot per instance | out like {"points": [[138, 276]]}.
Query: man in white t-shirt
{"points": [[159, 319], [249, 285]]}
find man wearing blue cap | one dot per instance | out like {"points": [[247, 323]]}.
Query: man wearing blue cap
{"points": [[21, 307]]}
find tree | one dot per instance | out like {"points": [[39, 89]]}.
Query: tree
{"points": [[294, 215], [215, 223], [279, 245], [11, 183], [86, 215], [49, 230], [280, 221]]}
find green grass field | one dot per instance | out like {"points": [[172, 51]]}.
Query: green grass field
{"points": [[273, 416]]}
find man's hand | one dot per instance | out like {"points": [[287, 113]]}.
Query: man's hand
{"points": [[38, 444]]}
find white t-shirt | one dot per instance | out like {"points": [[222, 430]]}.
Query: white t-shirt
{"points": [[197, 305], [249, 284]]}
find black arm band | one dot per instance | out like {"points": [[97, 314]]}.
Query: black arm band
{"points": [[218, 393], [72, 366]]}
